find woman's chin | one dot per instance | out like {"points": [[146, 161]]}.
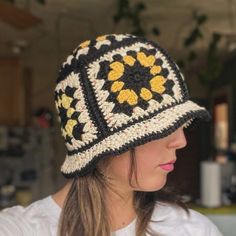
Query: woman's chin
{"points": [[152, 186]]}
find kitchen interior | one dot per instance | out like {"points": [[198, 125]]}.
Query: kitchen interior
{"points": [[37, 35]]}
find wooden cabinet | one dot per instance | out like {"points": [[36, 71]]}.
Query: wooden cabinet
{"points": [[12, 92]]}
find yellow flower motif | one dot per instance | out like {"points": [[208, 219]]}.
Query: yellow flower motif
{"points": [[146, 94], [117, 71], [66, 101], [157, 84], [128, 95], [129, 60], [69, 126], [155, 70], [117, 86], [70, 111], [144, 60], [101, 38], [85, 44]]}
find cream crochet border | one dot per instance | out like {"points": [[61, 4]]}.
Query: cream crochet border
{"points": [[157, 124]]}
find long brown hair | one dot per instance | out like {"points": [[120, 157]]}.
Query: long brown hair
{"points": [[84, 212]]}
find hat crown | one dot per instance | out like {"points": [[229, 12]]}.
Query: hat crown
{"points": [[111, 83]]}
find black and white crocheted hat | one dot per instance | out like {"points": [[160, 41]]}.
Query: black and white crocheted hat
{"points": [[116, 92]]}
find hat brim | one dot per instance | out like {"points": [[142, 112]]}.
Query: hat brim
{"points": [[159, 126]]}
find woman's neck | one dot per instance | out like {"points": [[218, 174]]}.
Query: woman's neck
{"points": [[120, 209], [60, 196]]}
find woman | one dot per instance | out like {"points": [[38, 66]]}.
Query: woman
{"points": [[123, 105]]}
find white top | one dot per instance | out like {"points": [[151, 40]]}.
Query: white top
{"points": [[41, 219]]}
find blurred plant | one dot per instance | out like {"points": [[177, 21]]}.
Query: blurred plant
{"points": [[196, 32], [213, 65], [132, 14], [212, 69]]}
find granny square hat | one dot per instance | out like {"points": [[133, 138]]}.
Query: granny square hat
{"points": [[116, 92]]}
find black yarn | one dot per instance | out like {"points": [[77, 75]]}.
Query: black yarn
{"points": [[199, 115], [203, 115], [134, 77]]}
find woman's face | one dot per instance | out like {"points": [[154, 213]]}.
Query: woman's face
{"points": [[150, 157]]}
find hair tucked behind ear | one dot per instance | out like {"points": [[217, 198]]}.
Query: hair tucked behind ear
{"points": [[84, 212]]}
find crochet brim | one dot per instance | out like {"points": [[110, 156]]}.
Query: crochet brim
{"points": [[159, 126]]}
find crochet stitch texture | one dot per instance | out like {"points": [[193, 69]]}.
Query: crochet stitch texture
{"points": [[116, 92]]}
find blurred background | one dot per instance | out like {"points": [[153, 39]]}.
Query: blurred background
{"points": [[37, 35]]}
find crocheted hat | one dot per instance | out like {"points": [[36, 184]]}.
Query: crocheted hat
{"points": [[116, 92]]}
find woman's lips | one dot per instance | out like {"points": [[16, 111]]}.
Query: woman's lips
{"points": [[168, 166]]}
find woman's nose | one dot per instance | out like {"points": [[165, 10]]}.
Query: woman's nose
{"points": [[178, 139]]}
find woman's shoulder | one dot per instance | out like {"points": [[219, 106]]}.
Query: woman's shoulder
{"points": [[174, 220], [19, 220]]}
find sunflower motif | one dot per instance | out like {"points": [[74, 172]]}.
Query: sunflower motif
{"points": [[70, 125], [101, 38], [85, 44], [96, 44], [137, 76], [88, 42]]}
